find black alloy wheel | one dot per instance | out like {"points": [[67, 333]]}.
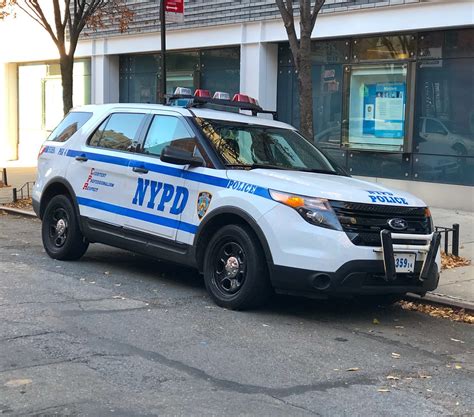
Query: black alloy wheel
{"points": [[62, 237], [235, 269]]}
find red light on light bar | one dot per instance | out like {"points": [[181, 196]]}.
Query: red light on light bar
{"points": [[202, 93], [242, 98]]}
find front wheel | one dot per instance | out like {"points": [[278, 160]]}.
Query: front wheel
{"points": [[235, 270], [62, 237]]}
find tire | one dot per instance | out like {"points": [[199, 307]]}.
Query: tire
{"points": [[62, 238], [235, 269]]}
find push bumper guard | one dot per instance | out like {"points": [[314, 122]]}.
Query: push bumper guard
{"points": [[388, 249]]}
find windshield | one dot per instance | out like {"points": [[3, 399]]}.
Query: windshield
{"points": [[248, 146]]}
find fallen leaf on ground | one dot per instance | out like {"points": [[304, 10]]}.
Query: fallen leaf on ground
{"points": [[451, 261], [395, 355], [22, 204], [454, 314], [393, 378], [458, 366], [352, 369], [18, 382], [375, 321]]}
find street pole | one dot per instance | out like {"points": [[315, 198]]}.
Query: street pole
{"points": [[163, 52]]}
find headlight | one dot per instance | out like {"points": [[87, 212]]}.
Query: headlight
{"points": [[314, 210]]}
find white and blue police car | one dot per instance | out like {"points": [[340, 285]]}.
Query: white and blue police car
{"points": [[246, 200]]}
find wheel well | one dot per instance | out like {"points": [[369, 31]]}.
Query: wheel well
{"points": [[216, 223], [53, 190]]}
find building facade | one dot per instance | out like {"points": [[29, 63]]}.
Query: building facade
{"points": [[393, 81]]}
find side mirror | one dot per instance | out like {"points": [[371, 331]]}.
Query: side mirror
{"points": [[178, 156]]}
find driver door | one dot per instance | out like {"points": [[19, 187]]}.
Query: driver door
{"points": [[155, 190]]}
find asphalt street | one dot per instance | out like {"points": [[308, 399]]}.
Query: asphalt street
{"points": [[117, 334]]}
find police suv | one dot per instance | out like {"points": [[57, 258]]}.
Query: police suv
{"points": [[246, 200]]}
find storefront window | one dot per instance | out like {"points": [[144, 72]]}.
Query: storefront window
{"points": [[444, 112], [381, 48], [214, 69], [376, 106]]}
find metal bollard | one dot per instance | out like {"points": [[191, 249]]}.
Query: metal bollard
{"points": [[455, 239], [5, 179], [446, 242], [15, 195]]}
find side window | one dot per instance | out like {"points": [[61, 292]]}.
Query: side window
{"points": [[118, 132], [70, 125], [433, 126], [168, 131]]}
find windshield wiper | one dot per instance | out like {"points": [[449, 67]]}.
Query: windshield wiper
{"points": [[318, 171], [256, 166]]}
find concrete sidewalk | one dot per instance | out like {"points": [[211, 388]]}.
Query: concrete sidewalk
{"points": [[456, 285], [17, 176]]}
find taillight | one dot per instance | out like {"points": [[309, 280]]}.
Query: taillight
{"points": [[41, 151]]}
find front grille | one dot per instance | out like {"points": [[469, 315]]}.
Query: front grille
{"points": [[363, 222]]}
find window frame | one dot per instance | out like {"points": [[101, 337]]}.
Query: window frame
{"points": [[210, 158], [136, 142]]}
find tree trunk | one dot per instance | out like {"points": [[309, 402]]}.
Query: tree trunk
{"points": [[305, 84], [67, 63]]}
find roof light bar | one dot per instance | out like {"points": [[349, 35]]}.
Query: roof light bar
{"points": [[220, 95], [183, 91], [202, 93]]}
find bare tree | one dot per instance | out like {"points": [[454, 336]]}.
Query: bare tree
{"points": [[301, 51], [69, 18]]}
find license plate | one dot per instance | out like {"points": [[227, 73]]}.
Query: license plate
{"points": [[405, 262]]}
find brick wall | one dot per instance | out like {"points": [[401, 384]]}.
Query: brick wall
{"points": [[200, 13]]}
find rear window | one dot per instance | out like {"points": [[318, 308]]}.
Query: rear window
{"points": [[70, 125]]}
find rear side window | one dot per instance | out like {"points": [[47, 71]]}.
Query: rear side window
{"points": [[118, 132], [70, 125]]}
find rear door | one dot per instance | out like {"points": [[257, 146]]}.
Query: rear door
{"points": [[99, 168]]}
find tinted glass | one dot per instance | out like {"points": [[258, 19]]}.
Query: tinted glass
{"points": [[243, 145], [386, 165], [448, 44], [70, 125], [444, 111], [118, 132], [444, 169], [384, 48], [167, 131]]}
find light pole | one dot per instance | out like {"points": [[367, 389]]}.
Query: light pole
{"points": [[163, 52]]}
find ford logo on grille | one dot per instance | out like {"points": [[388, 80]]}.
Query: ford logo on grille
{"points": [[398, 224]]}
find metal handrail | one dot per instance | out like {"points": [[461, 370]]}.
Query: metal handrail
{"points": [[22, 192], [445, 231]]}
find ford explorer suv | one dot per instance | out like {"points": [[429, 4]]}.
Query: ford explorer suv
{"points": [[244, 199]]}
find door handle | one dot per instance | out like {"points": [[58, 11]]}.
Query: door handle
{"points": [[140, 170], [82, 158]]}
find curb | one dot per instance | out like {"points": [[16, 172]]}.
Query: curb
{"points": [[12, 210], [442, 300]]}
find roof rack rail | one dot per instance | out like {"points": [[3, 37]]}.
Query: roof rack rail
{"points": [[195, 101]]}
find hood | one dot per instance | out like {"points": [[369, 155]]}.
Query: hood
{"points": [[331, 187]]}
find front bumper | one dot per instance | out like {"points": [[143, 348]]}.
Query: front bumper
{"points": [[367, 277]]}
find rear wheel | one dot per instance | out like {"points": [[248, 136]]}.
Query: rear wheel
{"points": [[235, 270], [62, 238]]}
